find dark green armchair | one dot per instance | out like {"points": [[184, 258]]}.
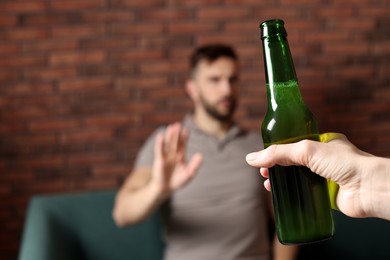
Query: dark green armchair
{"points": [[80, 227]]}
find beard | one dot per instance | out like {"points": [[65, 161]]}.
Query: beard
{"points": [[212, 110]]}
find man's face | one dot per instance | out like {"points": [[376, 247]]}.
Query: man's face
{"points": [[216, 87]]}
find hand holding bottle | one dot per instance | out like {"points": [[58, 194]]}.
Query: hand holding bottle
{"points": [[364, 179]]}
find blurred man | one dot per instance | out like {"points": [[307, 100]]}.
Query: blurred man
{"points": [[213, 206]]}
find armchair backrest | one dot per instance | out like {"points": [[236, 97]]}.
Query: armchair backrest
{"points": [[80, 226]]}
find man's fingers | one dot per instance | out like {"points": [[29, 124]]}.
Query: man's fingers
{"points": [[171, 141], [181, 149], [194, 164], [159, 146]]}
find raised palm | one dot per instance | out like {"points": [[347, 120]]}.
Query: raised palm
{"points": [[170, 169]]}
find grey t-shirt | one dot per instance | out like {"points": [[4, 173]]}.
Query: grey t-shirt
{"points": [[221, 213]]}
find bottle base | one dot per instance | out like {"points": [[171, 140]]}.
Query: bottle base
{"points": [[306, 242]]}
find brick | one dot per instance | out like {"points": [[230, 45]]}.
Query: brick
{"points": [[108, 120], [332, 12], [165, 118], [153, 42], [86, 135], [271, 12], [90, 159], [226, 38], [19, 34], [8, 20], [107, 15], [33, 139], [346, 49], [50, 45], [192, 27], [195, 3], [137, 55], [29, 88], [361, 2], [125, 29], [76, 58], [373, 11], [53, 124], [243, 26], [140, 83], [295, 26], [171, 14], [355, 72], [301, 2], [137, 4], [22, 176], [5, 189], [109, 43], [139, 134], [249, 51], [49, 74], [78, 31], [359, 24], [49, 19], [180, 41], [111, 170], [22, 6], [22, 61], [226, 13], [325, 36], [7, 48], [182, 53], [84, 84], [158, 67], [47, 187], [48, 102], [381, 47], [99, 184], [76, 5], [107, 70], [139, 106], [249, 2], [46, 161], [328, 60], [12, 128], [163, 93]]}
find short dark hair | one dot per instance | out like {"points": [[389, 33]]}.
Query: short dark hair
{"points": [[210, 53]]}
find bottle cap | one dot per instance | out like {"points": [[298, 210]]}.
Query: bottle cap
{"points": [[272, 27]]}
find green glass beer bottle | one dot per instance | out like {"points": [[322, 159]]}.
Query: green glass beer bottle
{"points": [[300, 197]]}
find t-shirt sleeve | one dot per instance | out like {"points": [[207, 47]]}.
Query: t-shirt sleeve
{"points": [[145, 156]]}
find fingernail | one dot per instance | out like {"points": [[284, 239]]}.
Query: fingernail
{"points": [[251, 157]]}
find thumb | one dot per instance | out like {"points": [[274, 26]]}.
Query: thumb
{"points": [[192, 168], [282, 154]]}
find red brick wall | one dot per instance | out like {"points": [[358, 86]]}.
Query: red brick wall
{"points": [[83, 82]]}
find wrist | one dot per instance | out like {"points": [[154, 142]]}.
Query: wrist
{"points": [[158, 192], [375, 185]]}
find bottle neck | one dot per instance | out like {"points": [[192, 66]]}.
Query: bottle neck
{"points": [[278, 62], [281, 80]]}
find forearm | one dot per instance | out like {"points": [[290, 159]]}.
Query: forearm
{"points": [[283, 252], [133, 206]]}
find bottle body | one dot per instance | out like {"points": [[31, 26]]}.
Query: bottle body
{"points": [[300, 198]]}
